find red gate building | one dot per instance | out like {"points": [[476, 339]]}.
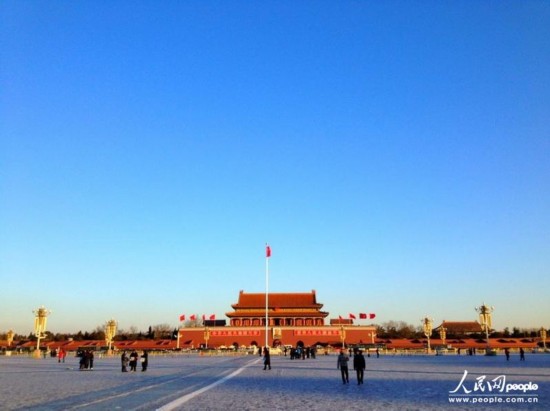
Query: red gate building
{"points": [[292, 319]]}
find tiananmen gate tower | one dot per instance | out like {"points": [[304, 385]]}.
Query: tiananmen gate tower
{"points": [[293, 319]]}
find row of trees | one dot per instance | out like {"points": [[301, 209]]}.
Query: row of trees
{"points": [[159, 331], [388, 330]]}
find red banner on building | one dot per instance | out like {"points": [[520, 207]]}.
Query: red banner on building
{"points": [[235, 333], [317, 332]]}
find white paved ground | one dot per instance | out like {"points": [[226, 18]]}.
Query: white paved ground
{"points": [[190, 382]]}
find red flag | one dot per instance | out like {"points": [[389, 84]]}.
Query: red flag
{"points": [[351, 316], [213, 317], [362, 316], [203, 317], [192, 317], [267, 251], [372, 315], [340, 317], [182, 317]]}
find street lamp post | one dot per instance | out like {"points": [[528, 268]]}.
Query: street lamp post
{"points": [[427, 324], [343, 336], [40, 320], [485, 318], [206, 336], [110, 332], [9, 337], [543, 338], [443, 335]]}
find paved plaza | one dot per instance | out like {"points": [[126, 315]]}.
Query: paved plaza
{"points": [[193, 382]]}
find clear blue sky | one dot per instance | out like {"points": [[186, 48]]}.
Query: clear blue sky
{"points": [[396, 156]]}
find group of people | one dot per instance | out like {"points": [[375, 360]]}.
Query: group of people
{"points": [[521, 354], [60, 353], [300, 352], [359, 366], [132, 361], [86, 359]]}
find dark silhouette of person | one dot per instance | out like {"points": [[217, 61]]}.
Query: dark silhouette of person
{"points": [[124, 362], [359, 366], [85, 359], [82, 362], [521, 354], [267, 358], [507, 353], [144, 360], [133, 360], [342, 364]]}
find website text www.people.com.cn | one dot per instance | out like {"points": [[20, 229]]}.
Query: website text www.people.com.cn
{"points": [[494, 399]]}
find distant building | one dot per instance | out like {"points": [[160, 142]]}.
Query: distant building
{"points": [[460, 328]]}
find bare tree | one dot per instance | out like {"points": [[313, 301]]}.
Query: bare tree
{"points": [[162, 331], [398, 329]]}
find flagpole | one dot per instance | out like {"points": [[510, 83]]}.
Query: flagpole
{"points": [[267, 253]]}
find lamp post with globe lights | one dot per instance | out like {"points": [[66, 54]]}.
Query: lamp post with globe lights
{"points": [[110, 332], [9, 337], [427, 324], [485, 319], [343, 336], [443, 335], [40, 321]]}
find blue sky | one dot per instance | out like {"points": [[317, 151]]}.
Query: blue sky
{"points": [[395, 155]]}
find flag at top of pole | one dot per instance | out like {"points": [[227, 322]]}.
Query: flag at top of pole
{"points": [[267, 251]]}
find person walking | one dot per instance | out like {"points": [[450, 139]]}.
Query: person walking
{"points": [[342, 364], [133, 360], [61, 355], [521, 354], [144, 360], [82, 361], [359, 366], [91, 359], [124, 361], [507, 353], [267, 358]]}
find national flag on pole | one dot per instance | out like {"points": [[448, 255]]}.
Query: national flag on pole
{"points": [[192, 317], [363, 316], [213, 317], [351, 316], [182, 317], [204, 317], [267, 251], [340, 317], [372, 315]]}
